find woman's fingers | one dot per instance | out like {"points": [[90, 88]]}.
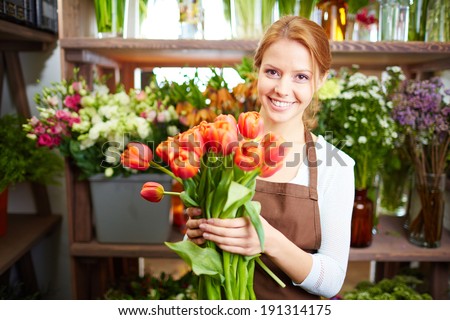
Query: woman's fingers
{"points": [[193, 212]]}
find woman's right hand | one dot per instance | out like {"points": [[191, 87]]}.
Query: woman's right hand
{"points": [[193, 232]]}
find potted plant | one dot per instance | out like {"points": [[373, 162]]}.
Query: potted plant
{"points": [[21, 160]]}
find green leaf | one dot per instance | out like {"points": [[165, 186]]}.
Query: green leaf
{"points": [[252, 210], [187, 200], [237, 196], [220, 194], [202, 260]]}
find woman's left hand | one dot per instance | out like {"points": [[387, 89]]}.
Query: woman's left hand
{"points": [[233, 235]]}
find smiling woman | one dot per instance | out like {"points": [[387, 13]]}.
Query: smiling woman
{"points": [[306, 205]]}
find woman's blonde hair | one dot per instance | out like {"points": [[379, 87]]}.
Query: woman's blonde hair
{"points": [[313, 37]]}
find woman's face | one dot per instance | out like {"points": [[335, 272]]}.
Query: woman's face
{"points": [[285, 82]]}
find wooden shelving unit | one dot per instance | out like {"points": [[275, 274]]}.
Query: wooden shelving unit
{"points": [[24, 230], [92, 266], [164, 53]]}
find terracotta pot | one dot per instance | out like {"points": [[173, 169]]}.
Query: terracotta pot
{"points": [[3, 211]]}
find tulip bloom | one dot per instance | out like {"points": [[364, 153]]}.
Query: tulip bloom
{"points": [[251, 124], [185, 164], [152, 191], [191, 140], [274, 153], [219, 137], [137, 156], [248, 156]]}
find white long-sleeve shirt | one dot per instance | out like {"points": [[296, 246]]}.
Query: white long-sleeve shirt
{"points": [[336, 192]]}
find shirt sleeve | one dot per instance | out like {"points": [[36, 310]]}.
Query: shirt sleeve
{"points": [[335, 205]]}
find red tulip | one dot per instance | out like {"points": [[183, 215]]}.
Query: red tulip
{"points": [[250, 124], [152, 191], [249, 155], [137, 156]]}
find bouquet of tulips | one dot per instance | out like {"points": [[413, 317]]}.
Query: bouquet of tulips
{"points": [[217, 163]]}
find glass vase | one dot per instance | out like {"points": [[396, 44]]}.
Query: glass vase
{"points": [[426, 210], [394, 20], [417, 20], [191, 19], [395, 186], [246, 22], [362, 220], [109, 15], [438, 21], [334, 17]]}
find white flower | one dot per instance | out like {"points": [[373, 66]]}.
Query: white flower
{"points": [[109, 172], [363, 120], [362, 139], [172, 130]]}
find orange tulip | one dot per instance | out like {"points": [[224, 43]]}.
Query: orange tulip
{"points": [[219, 136], [137, 156], [152, 191], [250, 124], [185, 164], [275, 151], [249, 155], [191, 140], [228, 118], [165, 150]]}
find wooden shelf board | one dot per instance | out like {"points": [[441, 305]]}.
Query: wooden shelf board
{"points": [[391, 244], [148, 52], [24, 231], [97, 249], [16, 32]]}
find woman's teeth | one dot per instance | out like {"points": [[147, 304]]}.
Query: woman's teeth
{"points": [[281, 104]]}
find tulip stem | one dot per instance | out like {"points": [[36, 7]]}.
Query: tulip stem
{"points": [[172, 193], [270, 273], [170, 173]]}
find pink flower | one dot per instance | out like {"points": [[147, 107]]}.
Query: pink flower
{"points": [[77, 86], [141, 96], [73, 102], [45, 140]]}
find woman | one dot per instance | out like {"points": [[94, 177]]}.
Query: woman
{"points": [[306, 205]]}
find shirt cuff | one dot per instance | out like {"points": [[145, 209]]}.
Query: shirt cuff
{"points": [[313, 276]]}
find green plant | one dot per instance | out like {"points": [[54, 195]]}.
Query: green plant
{"points": [[148, 287], [401, 287], [355, 115], [16, 292], [20, 158]]}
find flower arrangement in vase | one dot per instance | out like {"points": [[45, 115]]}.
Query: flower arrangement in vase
{"points": [[421, 108], [355, 114]]}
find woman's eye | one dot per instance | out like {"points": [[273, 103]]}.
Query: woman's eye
{"points": [[302, 77], [271, 72]]}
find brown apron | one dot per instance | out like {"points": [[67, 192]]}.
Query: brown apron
{"points": [[293, 210]]}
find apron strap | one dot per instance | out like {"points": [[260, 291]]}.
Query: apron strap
{"points": [[312, 164]]}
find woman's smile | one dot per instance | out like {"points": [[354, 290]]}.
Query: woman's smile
{"points": [[278, 105]]}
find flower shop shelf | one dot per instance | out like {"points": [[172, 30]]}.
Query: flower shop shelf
{"points": [[97, 249], [24, 231], [418, 56], [16, 37]]}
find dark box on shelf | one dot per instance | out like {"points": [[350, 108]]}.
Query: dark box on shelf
{"points": [[47, 15], [14, 10]]}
